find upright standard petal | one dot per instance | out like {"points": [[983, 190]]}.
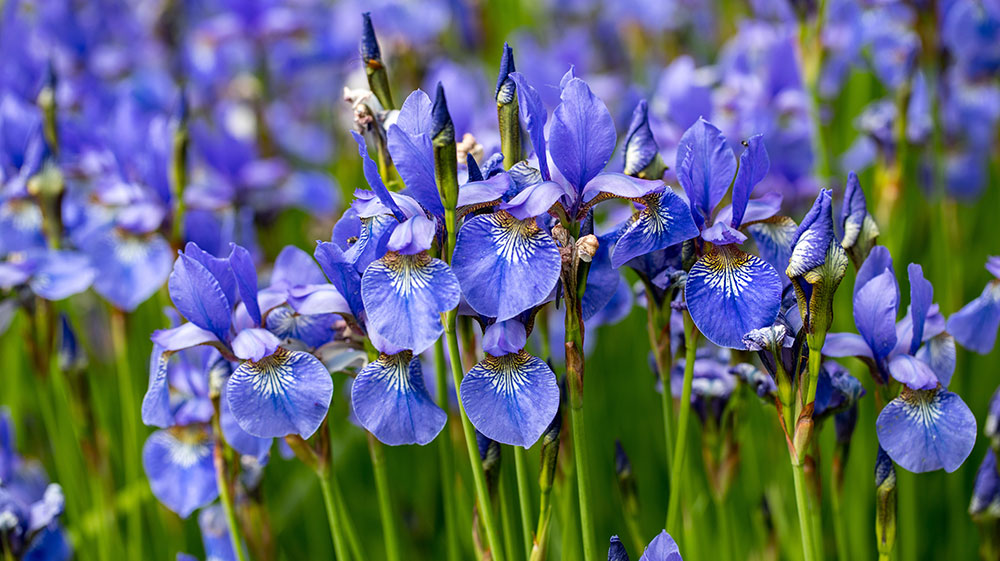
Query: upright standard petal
{"points": [[246, 280], [285, 393], [505, 265], [180, 469], [705, 168], [665, 221], [754, 165], [927, 430], [875, 308], [390, 400], [730, 293], [405, 295], [921, 298], [812, 240], [409, 144], [199, 297], [511, 398], [375, 180], [662, 548], [582, 134], [975, 325], [534, 116]]}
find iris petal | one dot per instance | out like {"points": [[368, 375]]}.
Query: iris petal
{"points": [[199, 297], [511, 398], [730, 293], [774, 240], [404, 296], [180, 469], [913, 372], [582, 134], [940, 354], [286, 393], [246, 280], [342, 274], [534, 116], [156, 402], [505, 265], [705, 168], [754, 165], [665, 221], [927, 430], [390, 400], [921, 297], [875, 314], [662, 548], [975, 325]]}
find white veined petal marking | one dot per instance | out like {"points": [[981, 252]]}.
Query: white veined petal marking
{"points": [[728, 272], [186, 448], [272, 375], [25, 217], [407, 273], [394, 371], [923, 406], [514, 240], [654, 219], [129, 250], [508, 372]]}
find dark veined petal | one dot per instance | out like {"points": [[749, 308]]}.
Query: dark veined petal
{"points": [[875, 308], [156, 403], [505, 265], [754, 165], [240, 440], [616, 551], [375, 180], [582, 134], [254, 344], [730, 293], [662, 548], [286, 393], [927, 430], [812, 240], [534, 116], [390, 400], [774, 240], [915, 373], [180, 469], [405, 295], [921, 298], [640, 145], [939, 353], [343, 276], [535, 200], [854, 211], [665, 221], [705, 168], [246, 280], [511, 398], [199, 297], [975, 325]]}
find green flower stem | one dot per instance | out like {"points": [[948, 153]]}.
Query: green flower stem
{"points": [[130, 429], [339, 547], [446, 457], [350, 532], [658, 328], [389, 533], [506, 516], [574, 381], [839, 530], [225, 490], [680, 445], [523, 497], [804, 506]]}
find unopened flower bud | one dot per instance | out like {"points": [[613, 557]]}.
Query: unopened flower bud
{"points": [[616, 552], [885, 503]]}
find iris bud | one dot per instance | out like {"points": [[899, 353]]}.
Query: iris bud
{"points": [[616, 552], [371, 55], [885, 503], [641, 154]]}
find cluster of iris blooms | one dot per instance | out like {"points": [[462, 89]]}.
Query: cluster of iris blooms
{"points": [[501, 241]]}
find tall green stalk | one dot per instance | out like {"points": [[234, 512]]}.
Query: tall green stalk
{"points": [[389, 534], [523, 498], [225, 490], [339, 545], [446, 457], [130, 428], [680, 445]]}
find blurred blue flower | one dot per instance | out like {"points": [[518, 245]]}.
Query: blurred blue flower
{"points": [[975, 325]]}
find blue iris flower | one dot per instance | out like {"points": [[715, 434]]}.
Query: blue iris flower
{"points": [[729, 293], [274, 391], [927, 427], [661, 548], [22, 151], [30, 506], [975, 325], [50, 274], [510, 396]]}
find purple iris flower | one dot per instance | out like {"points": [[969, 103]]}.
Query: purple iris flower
{"points": [[975, 325], [661, 548], [927, 427], [729, 293], [986, 490], [971, 31], [49, 273], [274, 391], [30, 506], [22, 151], [712, 385], [510, 396], [180, 468]]}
